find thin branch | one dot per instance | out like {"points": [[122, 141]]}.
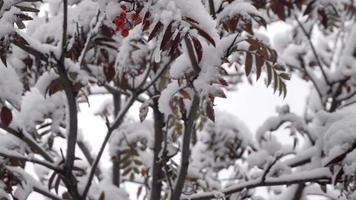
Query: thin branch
{"points": [[46, 193], [157, 164], [33, 145], [188, 129], [159, 74], [313, 49], [32, 160], [70, 182], [315, 175], [119, 119]]}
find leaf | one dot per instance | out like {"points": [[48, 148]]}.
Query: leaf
{"points": [[175, 43], [223, 82], [144, 110], [102, 196], [5, 116], [309, 8], [50, 180], [275, 81], [166, 36], [210, 111], [248, 63], [205, 35], [55, 86], [26, 9], [323, 187], [155, 31], [259, 64], [23, 17], [278, 8], [185, 94], [285, 76], [198, 48], [269, 74], [57, 183], [139, 190], [3, 58]]}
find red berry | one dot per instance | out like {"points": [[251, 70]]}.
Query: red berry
{"points": [[125, 32], [119, 22]]}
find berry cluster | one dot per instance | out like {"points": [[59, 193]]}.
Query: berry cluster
{"points": [[123, 23]]}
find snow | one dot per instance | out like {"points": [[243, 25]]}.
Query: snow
{"points": [[10, 86]]}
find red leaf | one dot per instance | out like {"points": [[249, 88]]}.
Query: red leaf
{"points": [[155, 31], [6, 116], [166, 36], [278, 8], [198, 48]]}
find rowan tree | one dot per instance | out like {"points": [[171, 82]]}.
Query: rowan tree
{"points": [[174, 58]]}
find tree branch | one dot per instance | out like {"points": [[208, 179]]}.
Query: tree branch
{"points": [[33, 145], [46, 193], [32, 160], [313, 50], [188, 129], [71, 181], [119, 119], [156, 185], [315, 175]]}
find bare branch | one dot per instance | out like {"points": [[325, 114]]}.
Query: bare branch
{"points": [[315, 175]]}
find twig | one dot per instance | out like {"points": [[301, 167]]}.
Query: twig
{"points": [[315, 175], [313, 50], [119, 119], [32, 160], [33, 145], [46, 193]]}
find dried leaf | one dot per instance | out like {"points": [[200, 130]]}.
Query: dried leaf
{"points": [[198, 48], [185, 94], [210, 111], [144, 110], [285, 76], [166, 36], [259, 64], [102, 196], [248, 63], [269, 74], [5, 116], [155, 31]]}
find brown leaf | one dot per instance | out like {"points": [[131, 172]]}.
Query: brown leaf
{"points": [[259, 64], [155, 31], [248, 63], [175, 44], [210, 111], [5, 116], [166, 36], [309, 8], [269, 73], [205, 35], [102, 196], [278, 8], [55, 86], [198, 48], [285, 76]]}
